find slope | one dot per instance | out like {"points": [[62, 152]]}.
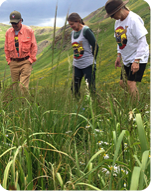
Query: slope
{"points": [[55, 66]]}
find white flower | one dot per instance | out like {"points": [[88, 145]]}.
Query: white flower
{"points": [[124, 185], [125, 145], [105, 171], [98, 130], [106, 156], [146, 107], [116, 169], [114, 174], [124, 171], [147, 112], [130, 115], [100, 142], [82, 163], [69, 132], [88, 126], [87, 83], [101, 148]]}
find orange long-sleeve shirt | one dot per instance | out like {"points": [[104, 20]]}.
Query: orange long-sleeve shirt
{"points": [[27, 44]]}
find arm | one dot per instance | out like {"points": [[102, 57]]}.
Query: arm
{"points": [[141, 50], [7, 55], [118, 59], [92, 41], [33, 51]]}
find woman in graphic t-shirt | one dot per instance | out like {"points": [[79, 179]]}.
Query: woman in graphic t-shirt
{"points": [[85, 53], [130, 35]]}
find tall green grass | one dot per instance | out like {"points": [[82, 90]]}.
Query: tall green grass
{"points": [[58, 142]]}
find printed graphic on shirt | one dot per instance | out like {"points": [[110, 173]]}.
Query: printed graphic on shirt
{"points": [[121, 38], [78, 50], [16, 43]]}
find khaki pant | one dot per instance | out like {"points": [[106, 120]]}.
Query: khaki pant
{"points": [[20, 72]]}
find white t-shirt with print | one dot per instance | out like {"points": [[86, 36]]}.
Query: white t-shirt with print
{"points": [[129, 33]]}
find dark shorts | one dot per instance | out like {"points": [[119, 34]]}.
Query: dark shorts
{"points": [[137, 77]]}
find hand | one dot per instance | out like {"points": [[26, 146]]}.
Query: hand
{"points": [[134, 67], [29, 62], [117, 62]]}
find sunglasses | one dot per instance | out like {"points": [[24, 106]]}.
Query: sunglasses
{"points": [[14, 23]]}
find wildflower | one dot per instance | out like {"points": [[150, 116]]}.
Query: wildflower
{"points": [[125, 145], [101, 148], [147, 112], [106, 156], [87, 83], [124, 185], [130, 115], [82, 163], [88, 126], [124, 171], [114, 168], [149, 156], [98, 130], [105, 171], [69, 132], [106, 143], [100, 142]]}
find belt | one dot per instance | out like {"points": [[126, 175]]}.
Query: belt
{"points": [[19, 59]]}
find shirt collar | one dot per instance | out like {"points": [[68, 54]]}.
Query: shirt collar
{"points": [[12, 29]]}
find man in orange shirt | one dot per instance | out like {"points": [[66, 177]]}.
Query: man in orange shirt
{"points": [[20, 51]]}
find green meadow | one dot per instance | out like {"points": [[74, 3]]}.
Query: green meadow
{"points": [[51, 140]]}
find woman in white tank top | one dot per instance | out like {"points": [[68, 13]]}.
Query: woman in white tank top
{"points": [[84, 44]]}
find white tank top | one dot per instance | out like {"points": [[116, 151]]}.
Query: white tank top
{"points": [[83, 56]]}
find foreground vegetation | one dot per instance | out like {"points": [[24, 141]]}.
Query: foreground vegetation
{"points": [[52, 141], [58, 143]]}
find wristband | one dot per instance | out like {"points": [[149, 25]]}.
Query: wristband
{"points": [[137, 62]]}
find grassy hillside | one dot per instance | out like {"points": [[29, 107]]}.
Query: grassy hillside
{"points": [[103, 30]]}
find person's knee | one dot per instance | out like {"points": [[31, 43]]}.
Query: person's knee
{"points": [[132, 86]]}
